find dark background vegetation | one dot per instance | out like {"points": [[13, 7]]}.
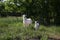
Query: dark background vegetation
{"points": [[46, 11]]}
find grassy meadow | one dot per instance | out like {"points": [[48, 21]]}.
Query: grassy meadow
{"points": [[11, 28]]}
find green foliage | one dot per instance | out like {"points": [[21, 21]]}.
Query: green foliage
{"points": [[11, 28], [36, 9]]}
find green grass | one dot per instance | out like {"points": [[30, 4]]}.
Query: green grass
{"points": [[11, 28]]}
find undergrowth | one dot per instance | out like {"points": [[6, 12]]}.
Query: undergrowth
{"points": [[11, 28]]}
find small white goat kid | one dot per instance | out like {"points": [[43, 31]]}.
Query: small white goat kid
{"points": [[36, 25], [26, 21]]}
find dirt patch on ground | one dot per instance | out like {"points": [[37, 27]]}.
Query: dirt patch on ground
{"points": [[53, 37]]}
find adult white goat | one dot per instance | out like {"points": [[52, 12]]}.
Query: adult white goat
{"points": [[26, 21], [36, 25]]}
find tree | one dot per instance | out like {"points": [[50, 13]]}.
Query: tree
{"points": [[46, 10]]}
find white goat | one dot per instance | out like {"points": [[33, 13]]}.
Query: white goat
{"points": [[36, 25], [26, 21]]}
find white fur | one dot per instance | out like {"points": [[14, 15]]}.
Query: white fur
{"points": [[36, 25], [26, 21]]}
